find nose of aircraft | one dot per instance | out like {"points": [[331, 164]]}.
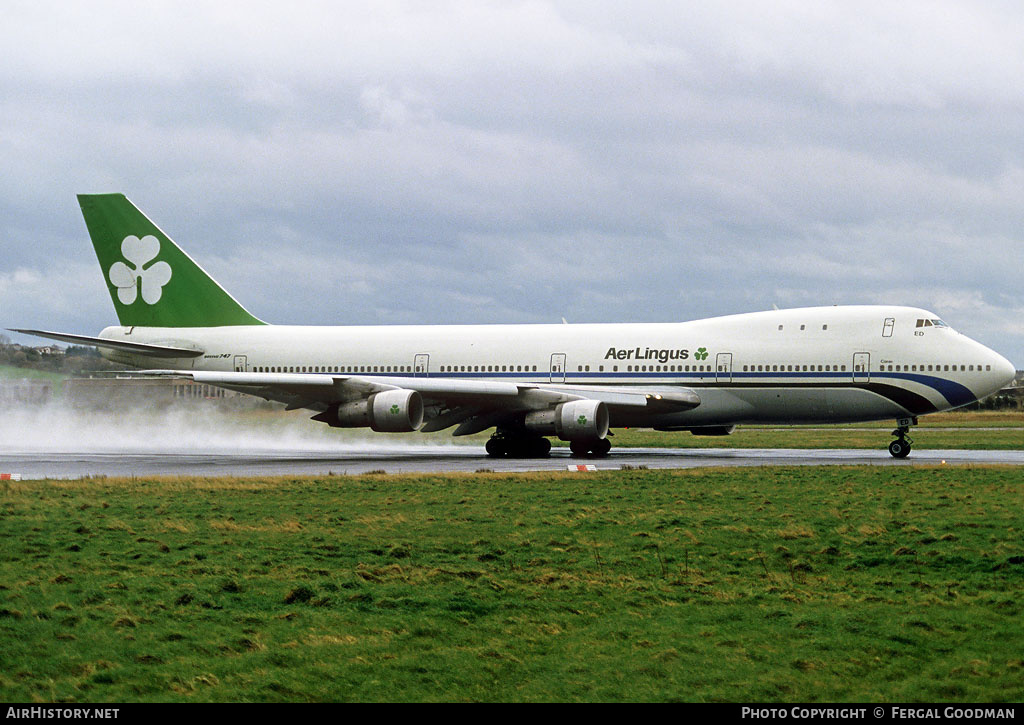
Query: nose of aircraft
{"points": [[1003, 370], [999, 372]]}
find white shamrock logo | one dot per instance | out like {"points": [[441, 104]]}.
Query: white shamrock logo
{"points": [[138, 252]]}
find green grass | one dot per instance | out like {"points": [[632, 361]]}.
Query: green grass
{"points": [[16, 373], [954, 435], [774, 584]]}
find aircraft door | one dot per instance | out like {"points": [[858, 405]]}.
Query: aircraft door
{"points": [[421, 365], [557, 373], [861, 367], [723, 367], [241, 365]]}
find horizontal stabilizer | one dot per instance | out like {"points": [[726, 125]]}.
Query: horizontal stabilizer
{"points": [[139, 348]]}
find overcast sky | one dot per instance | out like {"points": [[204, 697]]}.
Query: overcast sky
{"points": [[432, 162]]}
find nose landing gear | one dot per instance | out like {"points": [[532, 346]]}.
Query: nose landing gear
{"points": [[900, 448]]}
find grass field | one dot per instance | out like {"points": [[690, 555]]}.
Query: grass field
{"points": [[773, 584], [975, 430], [15, 373]]}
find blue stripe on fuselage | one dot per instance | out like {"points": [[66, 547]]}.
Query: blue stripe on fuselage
{"points": [[956, 393]]}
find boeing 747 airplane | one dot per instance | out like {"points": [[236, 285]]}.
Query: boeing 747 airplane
{"points": [[530, 382]]}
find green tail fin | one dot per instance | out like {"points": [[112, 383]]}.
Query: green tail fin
{"points": [[152, 282]]}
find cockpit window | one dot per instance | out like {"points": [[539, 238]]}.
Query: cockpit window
{"points": [[931, 323]]}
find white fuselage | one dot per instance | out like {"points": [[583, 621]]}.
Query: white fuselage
{"points": [[811, 365]]}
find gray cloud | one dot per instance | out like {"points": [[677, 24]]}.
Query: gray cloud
{"points": [[488, 162]]}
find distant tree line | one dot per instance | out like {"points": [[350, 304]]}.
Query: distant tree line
{"points": [[74, 359], [1012, 399]]}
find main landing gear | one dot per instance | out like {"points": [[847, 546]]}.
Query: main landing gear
{"points": [[515, 444], [900, 448], [523, 444], [599, 447]]}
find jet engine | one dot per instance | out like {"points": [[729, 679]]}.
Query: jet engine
{"points": [[713, 430], [573, 421], [390, 411]]}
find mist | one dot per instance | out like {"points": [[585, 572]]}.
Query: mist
{"points": [[187, 429]]}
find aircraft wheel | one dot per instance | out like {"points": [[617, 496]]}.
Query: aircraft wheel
{"points": [[495, 448], [541, 447], [521, 448], [602, 447], [899, 448], [579, 448]]}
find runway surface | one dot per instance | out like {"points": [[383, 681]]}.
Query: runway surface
{"points": [[442, 459]]}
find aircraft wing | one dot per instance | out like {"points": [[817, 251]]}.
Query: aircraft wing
{"points": [[659, 398], [473, 405]]}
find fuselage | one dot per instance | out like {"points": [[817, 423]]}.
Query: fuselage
{"points": [[809, 365]]}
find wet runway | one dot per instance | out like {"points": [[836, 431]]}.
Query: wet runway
{"points": [[442, 459]]}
